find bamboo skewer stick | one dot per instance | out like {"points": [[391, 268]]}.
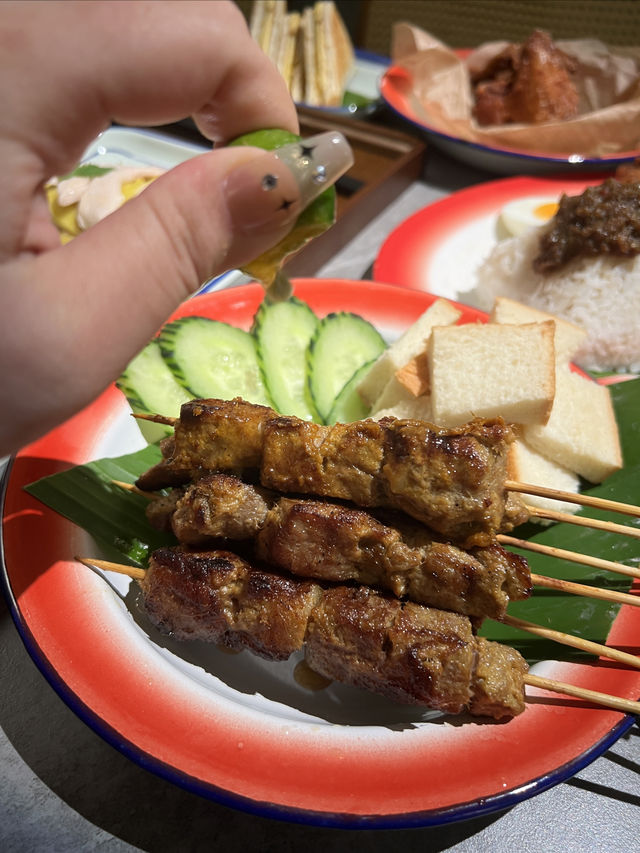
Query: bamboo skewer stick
{"points": [[571, 556], [586, 590], [572, 497], [131, 487], [627, 706], [575, 642], [583, 521], [134, 572], [156, 419], [605, 699]]}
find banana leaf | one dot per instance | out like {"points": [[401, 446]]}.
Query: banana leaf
{"points": [[116, 519]]}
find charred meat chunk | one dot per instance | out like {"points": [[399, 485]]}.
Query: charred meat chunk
{"points": [[529, 83], [405, 651]]}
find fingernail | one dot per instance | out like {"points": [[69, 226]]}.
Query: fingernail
{"points": [[274, 188], [317, 162]]}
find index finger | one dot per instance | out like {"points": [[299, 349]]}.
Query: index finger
{"points": [[143, 63]]}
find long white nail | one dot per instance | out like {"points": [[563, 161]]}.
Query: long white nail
{"points": [[317, 162]]}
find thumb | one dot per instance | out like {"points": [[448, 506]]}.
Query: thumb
{"points": [[106, 293], [212, 213], [207, 215]]}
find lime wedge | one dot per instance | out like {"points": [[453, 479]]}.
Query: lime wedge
{"points": [[313, 221]]}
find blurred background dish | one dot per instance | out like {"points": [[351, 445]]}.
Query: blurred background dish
{"points": [[312, 47], [362, 94], [496, 240], [439, 248], [367, 28], [397, 92]]}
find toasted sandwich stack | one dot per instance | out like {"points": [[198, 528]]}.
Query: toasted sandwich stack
{"points": [[312, 49]]}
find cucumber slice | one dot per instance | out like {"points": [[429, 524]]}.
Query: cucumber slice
{"points": [[213, 359], [283, 331], [349, 405], [342, 343], [151, 388]]}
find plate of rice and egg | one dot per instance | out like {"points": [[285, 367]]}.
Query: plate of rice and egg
{"points": [[485, 242]]}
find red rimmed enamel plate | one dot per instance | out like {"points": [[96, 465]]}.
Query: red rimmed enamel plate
{"points": [[396, 89], [440, 247], [241, 730]]}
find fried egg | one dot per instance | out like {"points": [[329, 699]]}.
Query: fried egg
{"points": [[519, 216]]}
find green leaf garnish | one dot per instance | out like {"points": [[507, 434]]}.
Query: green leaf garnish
{"points": [[357, 102], [88, 170], [88, 496]]}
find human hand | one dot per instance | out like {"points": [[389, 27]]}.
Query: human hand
{"points": [[73, 316]]}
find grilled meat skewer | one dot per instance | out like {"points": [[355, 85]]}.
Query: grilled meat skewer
{"points": [[334, 542], [452, 480], [405, 651]]}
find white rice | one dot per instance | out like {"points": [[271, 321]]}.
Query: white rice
{"points": [[601, 295]]}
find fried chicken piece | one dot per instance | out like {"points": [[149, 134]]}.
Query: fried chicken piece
{"points": [[542, 89], [529, 83]]}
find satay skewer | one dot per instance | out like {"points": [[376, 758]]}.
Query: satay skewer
{"points": [[509, 485], [549, 633], [537, 512], [569, 587], [604, 699]]}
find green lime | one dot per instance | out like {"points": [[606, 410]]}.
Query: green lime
{"points": [[314, 219]]}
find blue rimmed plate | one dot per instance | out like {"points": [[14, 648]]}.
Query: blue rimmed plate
{"points": [[240, 730], [397, 91]]}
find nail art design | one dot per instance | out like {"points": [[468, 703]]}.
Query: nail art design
{"points": [[274, 188], [317, 162]]}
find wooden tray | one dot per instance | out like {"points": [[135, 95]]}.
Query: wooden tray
{"points": [[386, 162]]}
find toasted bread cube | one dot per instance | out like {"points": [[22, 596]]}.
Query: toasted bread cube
{"points": [[568, 338], [486, 370], [581, 433], [528, 466], [411, 343], [414, 376]]}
